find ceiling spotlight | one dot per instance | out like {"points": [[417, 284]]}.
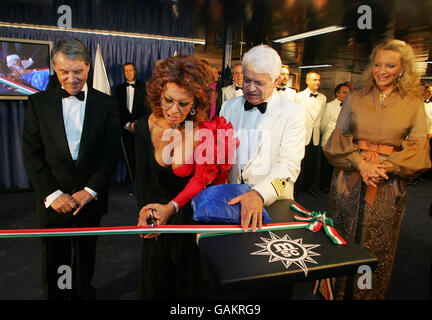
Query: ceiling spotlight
{"points": [[312, 33], [316, 66]]}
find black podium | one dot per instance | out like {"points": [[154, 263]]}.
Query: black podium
{"points": [[265, 259]]}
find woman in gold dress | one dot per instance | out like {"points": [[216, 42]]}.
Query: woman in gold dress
{"points": [[379, 142]]}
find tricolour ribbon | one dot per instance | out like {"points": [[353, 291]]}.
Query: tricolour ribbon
{"points": [[325, 288], [265, 227], [200, 229], [316, 221]]}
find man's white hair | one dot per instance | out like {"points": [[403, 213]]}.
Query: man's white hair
{"points": [[263, 59]]}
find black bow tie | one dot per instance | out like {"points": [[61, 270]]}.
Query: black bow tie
{"points": [[341, 104], [313, 95], [237, 87], [279, 89], [262, 107], [130, 84], [79, 95]]}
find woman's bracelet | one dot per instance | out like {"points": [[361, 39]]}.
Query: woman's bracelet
{"points": [[176, 206]]}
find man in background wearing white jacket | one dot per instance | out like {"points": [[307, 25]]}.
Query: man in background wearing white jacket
{"points": [[314, 104], [282, 86], [328, 124]]}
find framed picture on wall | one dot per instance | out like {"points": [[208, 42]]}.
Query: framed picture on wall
{"points": [[25, 67]]}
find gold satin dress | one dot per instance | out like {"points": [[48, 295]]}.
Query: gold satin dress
{"points": [[372, 217]]}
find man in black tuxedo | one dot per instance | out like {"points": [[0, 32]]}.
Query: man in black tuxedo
{"points": [[71, 146], [131, 97]]}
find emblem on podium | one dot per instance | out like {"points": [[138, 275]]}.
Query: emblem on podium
{"points": [[287, 250]]}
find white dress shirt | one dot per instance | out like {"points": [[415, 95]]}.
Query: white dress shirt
{"points": [[73, 117], [230, 92], [314, 108], [288, 92], [428, 111], [329, 118], [130, 92]]}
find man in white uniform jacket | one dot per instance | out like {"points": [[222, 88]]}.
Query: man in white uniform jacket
{"points": [[271, 131], [427, 95], [328, 124], [234, 89], [282, 86], [314, 103]]}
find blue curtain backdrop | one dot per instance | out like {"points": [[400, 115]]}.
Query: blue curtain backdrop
{"points": [[141, 16], [115, 51]]}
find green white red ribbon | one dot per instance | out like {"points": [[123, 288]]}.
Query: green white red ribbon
{"points": [[325, 288], [316, 221], [265, 227], [200, 229]]}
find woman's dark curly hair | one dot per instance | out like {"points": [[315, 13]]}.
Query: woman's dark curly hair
{"points": [[187, 72]]}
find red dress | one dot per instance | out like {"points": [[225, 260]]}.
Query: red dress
{"points": [[212, 158]]}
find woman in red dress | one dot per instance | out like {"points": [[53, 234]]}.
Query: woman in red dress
{"points": [[178, 153]]}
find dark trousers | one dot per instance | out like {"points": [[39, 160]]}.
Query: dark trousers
{"points": [[309, 170], [170, 268], [76, 253], [428, 174], [326, 172]]}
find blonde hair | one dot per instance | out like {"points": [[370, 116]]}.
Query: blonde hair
{"points": [[285, 66], [409, 80]]}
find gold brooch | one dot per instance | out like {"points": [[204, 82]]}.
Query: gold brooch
{"points": [[382, 98]]}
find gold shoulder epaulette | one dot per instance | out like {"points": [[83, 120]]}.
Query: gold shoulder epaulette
{"points": [[279, 185]]}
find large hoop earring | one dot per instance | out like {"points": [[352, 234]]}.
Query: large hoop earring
{"points": [[192, 111]]}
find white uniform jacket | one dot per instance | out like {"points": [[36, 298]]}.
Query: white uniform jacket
{"points": [[289, 93], [271, 144], [230, 92], [428, 110], [314, 108], [329, 118]]}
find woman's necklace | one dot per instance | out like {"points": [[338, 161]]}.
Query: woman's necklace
{"points": [[382, 94], [382, 97], [176, 126]]}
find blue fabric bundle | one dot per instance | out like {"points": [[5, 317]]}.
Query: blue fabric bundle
{"points": [[210, 205]]}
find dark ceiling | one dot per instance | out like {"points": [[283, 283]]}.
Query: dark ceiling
{"points": [[258, 21]]}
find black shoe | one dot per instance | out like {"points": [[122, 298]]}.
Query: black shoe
{"points": [[412, 182], [325, 189], [311, 191]]}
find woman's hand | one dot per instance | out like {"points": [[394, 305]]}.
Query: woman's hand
{"points": [[372, 173], [161, 213]]}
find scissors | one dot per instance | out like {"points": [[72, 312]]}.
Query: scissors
{"points": [[151, 221]]}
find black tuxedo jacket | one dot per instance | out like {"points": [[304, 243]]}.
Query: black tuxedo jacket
{"points": [[139, 106], [47, 158]]}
